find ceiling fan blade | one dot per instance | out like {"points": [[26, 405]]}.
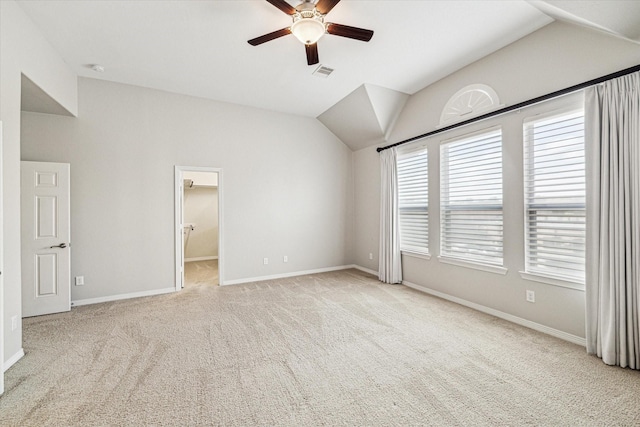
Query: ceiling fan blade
{"points": [[312, 53], [325, 6], [350, 32], [283, 6], [268, 37]]}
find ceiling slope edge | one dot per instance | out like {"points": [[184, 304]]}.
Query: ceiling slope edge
{"points": [[365, 117], [387, 105], [604, 15], [35, 100]]}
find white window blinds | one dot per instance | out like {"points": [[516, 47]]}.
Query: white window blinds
{"points": [[413, 202], [555, 196], [471, 198]]}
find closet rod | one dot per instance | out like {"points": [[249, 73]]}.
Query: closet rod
{"points": [[519, 105]]}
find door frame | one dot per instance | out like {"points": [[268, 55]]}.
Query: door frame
{"points": [[179, 215], [2, 267]]}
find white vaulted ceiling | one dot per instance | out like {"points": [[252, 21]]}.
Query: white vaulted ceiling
{"points": [[199, 48]]}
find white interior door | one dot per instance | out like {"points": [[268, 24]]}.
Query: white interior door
{"points": [[46, 257]]}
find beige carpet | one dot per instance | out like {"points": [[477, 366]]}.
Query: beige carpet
{"points": [[334, 349], [201, 273]]}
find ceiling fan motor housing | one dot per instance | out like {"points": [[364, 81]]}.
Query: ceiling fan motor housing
{"points": [[305, 5]]}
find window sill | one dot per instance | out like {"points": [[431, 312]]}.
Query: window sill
{"points": [[416, 255], [552, 281], [474, 265]]}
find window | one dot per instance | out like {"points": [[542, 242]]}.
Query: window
{"points": [[555, 196], [413, 202], [471, 198]]}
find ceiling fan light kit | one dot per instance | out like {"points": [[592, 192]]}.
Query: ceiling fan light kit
{"points": [[309, 26]]}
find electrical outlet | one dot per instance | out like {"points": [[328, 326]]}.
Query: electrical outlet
{"points": [[14, 323], [285, 259], [531, 296], [370, 255], [265, 261], [79, 280]]}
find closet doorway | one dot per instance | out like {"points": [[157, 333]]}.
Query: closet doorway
{"points": [[198, 226]]}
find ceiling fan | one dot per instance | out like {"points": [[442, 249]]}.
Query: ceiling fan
{"points": [[308, 26]]}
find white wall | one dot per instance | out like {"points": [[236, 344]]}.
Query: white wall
{"points": [[286, 182], [553, 58], [201, 210], [22, 50], [366, 166], [550, 59]]}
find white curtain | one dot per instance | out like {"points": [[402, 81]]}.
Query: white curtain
{"points": [[390, 266], [613, 212]]}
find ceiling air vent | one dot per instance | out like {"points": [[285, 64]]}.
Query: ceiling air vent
{"points": [[323, 71]]}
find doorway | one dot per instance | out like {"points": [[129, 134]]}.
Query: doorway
{"points": [[198, 226]]}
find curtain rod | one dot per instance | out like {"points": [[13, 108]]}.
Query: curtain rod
{"points": [[519, 105]]}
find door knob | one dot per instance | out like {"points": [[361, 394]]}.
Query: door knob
{"points": [[61, 246]]}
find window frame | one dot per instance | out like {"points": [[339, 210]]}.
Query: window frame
{"points": [[415, 251], [530, 273], [481, 263]]}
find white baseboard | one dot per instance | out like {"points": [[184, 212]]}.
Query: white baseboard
{"points": [[502, 315], [200, 258], [98, 300], [366, 270], [283, 275], [12, 360]]}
